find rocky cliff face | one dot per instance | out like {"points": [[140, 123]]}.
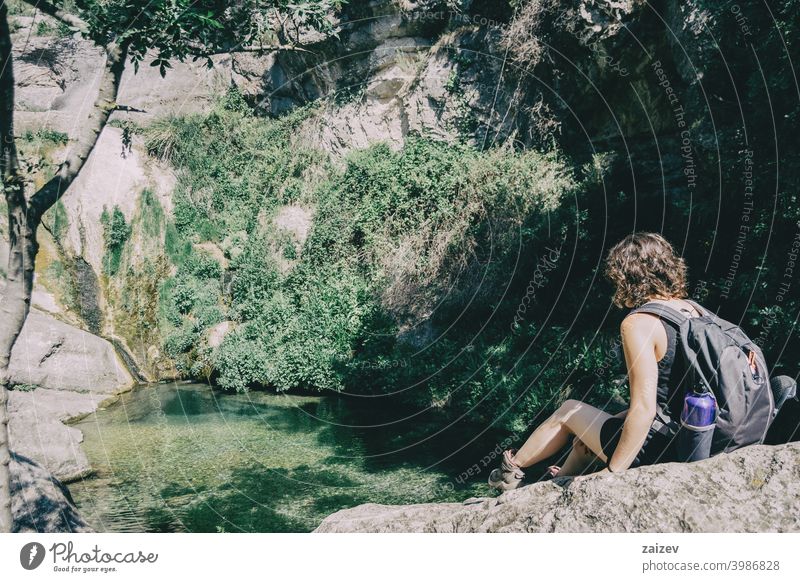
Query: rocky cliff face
{"points": [[60, 373], [449, 69], [580, 74], [751, 490], [52, 354]]}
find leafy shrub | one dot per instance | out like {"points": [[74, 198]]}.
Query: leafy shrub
{"points": [[233, 167], [434, 236], [203, 266], [115, 233], [183, 296], [45, 135], [180, 342]]}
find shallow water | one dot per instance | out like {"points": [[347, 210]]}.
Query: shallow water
{"points": [[184, 457]]}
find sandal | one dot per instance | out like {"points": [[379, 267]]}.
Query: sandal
{"points": [[508, 475]]}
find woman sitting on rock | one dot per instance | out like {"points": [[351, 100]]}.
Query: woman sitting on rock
{"points": [[644, 268]]}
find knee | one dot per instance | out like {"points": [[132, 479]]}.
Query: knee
{"points": [[566, 411], [569, 407]]}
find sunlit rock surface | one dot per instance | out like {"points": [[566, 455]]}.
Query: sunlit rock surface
{"points": [[756, 489]]}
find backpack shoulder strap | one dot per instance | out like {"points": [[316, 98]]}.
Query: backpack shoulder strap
{"points": [[709, 314], [663, 311], [701, 310]]}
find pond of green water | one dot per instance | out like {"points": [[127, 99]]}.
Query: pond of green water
{"points": [[184, 457]]}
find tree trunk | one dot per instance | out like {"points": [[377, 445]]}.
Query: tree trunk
{"points": [[24, 216], [13, 307]]}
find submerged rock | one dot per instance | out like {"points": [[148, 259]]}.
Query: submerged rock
{"points": [[756, 489], [39, 502]]}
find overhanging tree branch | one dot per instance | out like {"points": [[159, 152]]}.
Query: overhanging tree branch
{"points": [[88, 134], [198, 52]]}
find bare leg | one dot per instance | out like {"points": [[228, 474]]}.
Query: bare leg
{"points": [[579, 459], [572, 418]]}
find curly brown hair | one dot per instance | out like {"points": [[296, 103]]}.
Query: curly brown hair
{"points": [[643, 266]]}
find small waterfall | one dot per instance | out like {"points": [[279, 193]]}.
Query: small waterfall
{"points": [[88, 292], [128, 360]]}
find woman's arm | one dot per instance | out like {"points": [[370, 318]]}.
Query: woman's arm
{"points": [[639, 332]]}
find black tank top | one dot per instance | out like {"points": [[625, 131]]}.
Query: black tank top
{"points": [[669, 396], [671, 370]]}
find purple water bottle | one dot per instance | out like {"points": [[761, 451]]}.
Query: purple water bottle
{"points": [[697, 426]]}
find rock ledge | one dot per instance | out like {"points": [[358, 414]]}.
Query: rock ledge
{"points": [[756, 489]]}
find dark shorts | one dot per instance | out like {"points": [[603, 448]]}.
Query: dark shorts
{"points": [[659, 447]]}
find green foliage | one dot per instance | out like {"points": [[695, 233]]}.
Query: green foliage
{"points": [[161, 137], [180, 29], [45, 136], [115, 233], [234, 169], [63, 280], [136, 300], [44, 28], [255, 279], [57, 219], [298, 337], [151, 214], [289, 250], [233, 100], [417, 220], [189, 305], [464, 120], [202, 266], [178, 249], [39, 147]]}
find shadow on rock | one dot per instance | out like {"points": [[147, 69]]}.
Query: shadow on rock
{"points": [[40, 502]]}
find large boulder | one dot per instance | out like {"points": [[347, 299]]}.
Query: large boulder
{"points": [[52, 354], [37, 429], [73, 372], [751, 490], [39, 502]]}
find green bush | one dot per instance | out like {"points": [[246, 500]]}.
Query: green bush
{"points": [[44, 136], [115, 233], [151, 214], [202, 265], [433, 234], [233, 167]]}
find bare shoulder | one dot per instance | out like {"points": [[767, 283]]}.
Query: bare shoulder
{"points": [[640, 323]]}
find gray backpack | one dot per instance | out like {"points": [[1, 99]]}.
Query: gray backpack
{"points": [[719, 358]]}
